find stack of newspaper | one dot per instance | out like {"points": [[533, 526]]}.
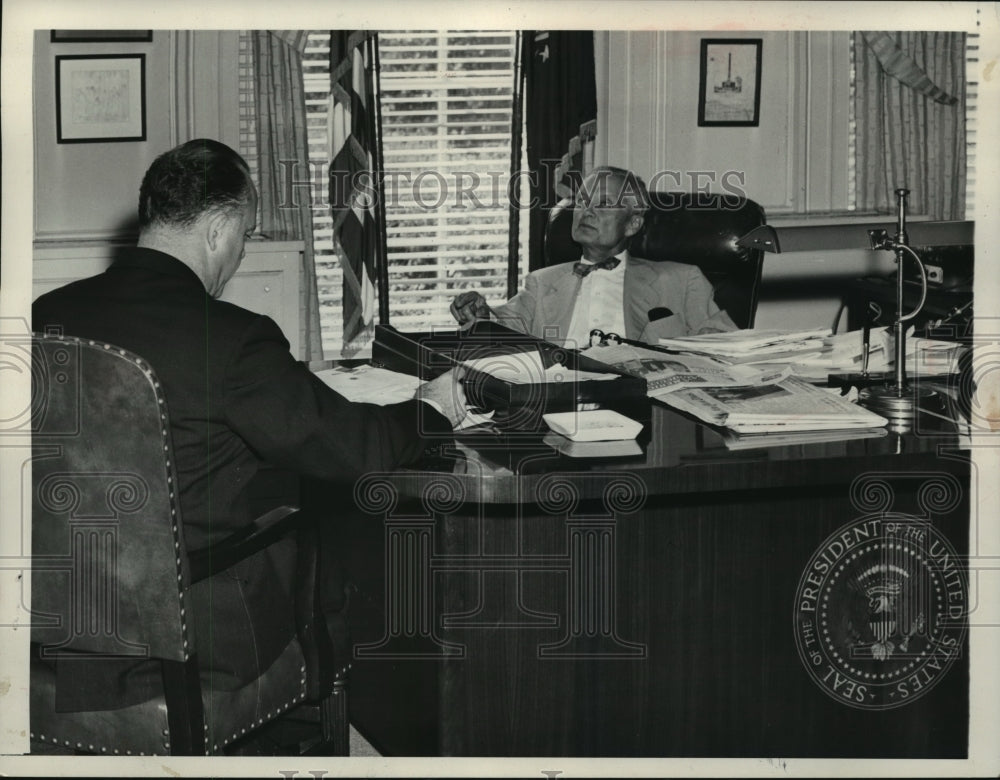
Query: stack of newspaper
{"points": [[789, 405], [745, 398], [754, 346], [666, 372], [815, 354]]}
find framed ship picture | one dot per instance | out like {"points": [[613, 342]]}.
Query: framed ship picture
{"points": [[729, 90]]}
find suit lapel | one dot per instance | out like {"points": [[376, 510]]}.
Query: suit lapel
{"points": [[558, 300], [639, 296]]}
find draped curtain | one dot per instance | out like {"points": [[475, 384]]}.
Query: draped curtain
{"points": [[283, 156], [910, 112], [560, 118]]}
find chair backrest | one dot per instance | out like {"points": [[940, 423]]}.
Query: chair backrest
{"points": [[697, 228], [110, 569]]}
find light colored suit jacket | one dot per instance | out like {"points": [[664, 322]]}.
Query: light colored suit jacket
{"points": [[544, 307]]}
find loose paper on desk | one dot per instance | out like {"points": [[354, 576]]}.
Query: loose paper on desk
{"points": [[790, 405], [843, 353], [666, 373], [528, 368], [370, 384], [379, 386], [816, 353]]}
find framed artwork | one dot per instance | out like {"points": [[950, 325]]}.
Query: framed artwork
{"points": [[100, 36], [729, 91], [100, 98]]}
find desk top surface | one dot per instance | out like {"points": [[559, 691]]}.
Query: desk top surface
{"points": [[672, 455]]}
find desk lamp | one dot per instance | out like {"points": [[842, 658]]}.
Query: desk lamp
{"points": [[895, 398]]}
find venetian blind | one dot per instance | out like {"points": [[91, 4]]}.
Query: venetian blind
{"points": [[446, 104], [446, 107], [971, 113]]}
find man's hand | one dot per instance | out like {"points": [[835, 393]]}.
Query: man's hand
{"points": [[447, 395], [470, 306]]}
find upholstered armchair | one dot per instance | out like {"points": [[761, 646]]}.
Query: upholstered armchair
{"points": [[112, 574]]}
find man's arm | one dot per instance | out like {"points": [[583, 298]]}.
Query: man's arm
{"points": [[516, 314], [700, 311], [291, 418], [519, 312]]}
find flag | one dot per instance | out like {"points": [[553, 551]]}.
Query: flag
{"points": [[353, 174], [560, 116]]}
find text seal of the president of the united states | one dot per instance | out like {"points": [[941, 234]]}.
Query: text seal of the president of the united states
{"points": [[881, 611]]}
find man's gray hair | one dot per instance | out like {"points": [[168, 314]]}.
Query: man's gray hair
{"points": [[633, 190]]}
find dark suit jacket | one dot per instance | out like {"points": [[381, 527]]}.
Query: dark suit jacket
{"points": [[236, 397]]}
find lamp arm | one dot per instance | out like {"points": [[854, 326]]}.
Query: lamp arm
{"points": [[923, 283]]}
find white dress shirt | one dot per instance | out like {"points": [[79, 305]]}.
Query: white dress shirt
{"points": [[599, 304]]}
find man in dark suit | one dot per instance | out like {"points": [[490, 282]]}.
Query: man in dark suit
{"points": [[236, 398], [607, 288]]}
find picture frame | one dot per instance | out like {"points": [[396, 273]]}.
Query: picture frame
{"points": [[100, 36], [100, 98], [729, 86]]}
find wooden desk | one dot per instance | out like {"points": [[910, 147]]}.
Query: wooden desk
{"points": [[512, 601]]}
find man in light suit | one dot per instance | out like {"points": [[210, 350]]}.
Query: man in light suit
{"points": [[606, 289]]}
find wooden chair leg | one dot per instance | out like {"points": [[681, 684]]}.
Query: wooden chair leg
{"points": [[333, 721], [185, 713]]}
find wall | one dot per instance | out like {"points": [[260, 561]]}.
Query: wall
{"points": [[794, 162], [88, 191]]}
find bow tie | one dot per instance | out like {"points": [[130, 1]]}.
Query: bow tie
{"points": [[582, 269]]}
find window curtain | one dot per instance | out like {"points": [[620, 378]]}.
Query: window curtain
{"points": [[560, 119], [910, 113], [283, 158]]}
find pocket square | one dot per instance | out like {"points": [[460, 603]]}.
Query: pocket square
{"points": [[659, 313]]}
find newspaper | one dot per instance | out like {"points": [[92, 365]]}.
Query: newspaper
{"points": [[789, 405], [741, 345], [749, 441], [815, 354], [668, 372]]}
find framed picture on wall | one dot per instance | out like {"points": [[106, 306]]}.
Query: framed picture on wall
{"points": [[100, 36], [100, 98], [729, 90]]}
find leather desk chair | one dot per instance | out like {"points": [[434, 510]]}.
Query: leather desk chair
{"points": [[693, 228], [111, 572]]}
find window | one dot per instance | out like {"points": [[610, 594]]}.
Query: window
{"points": [[968, 104], [446, 127], [446, 105], [971, 111]]}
